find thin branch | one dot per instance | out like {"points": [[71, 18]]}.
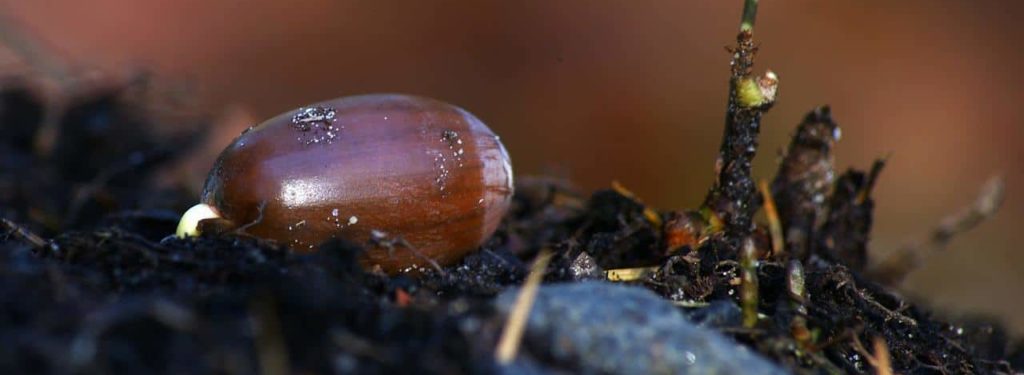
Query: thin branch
{"points": [[748, 283], [894, 268], [733, 198]]}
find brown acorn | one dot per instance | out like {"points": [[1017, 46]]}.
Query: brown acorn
{"points": [[416, 180]]}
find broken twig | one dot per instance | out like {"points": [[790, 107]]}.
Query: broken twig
{"points": [[894, 268], [21, 233], [629, 274], [748, 283], [805, 179]]}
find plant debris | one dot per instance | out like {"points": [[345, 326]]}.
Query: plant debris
{"points": [[91, 280]]}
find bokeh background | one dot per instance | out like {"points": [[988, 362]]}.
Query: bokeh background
{"points": [[633, 91]]}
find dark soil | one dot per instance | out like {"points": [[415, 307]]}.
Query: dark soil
{"points": [[91, 282]]}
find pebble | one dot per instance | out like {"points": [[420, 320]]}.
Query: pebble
{"points": [[597, 327]]}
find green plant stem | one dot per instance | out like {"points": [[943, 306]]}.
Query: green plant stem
{"points": [[749, 15]]}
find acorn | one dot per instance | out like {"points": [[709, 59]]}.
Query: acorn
{"points": [[419, 182]]}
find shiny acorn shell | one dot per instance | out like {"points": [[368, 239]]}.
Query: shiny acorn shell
{"points": [[410, 178]]}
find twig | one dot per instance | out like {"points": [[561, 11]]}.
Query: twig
{"points": [[987, 203], [876, 169], [733, 197], [847, 281], [512, 335], [889, 314], [22, 233], [894, 268], [748, 283], [629, 274], [797, 291]]}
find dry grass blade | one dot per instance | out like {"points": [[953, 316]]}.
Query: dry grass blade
{"points": [[629, 274], [649, 214], [882, 361], [512, 335], [13, 229], [774, 223]]}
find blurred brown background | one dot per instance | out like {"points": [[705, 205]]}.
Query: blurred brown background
{"points": [[630, 90]]}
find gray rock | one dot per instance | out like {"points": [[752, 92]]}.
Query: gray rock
{"points": [[604, 328], [718, 314], [584, 267]]}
